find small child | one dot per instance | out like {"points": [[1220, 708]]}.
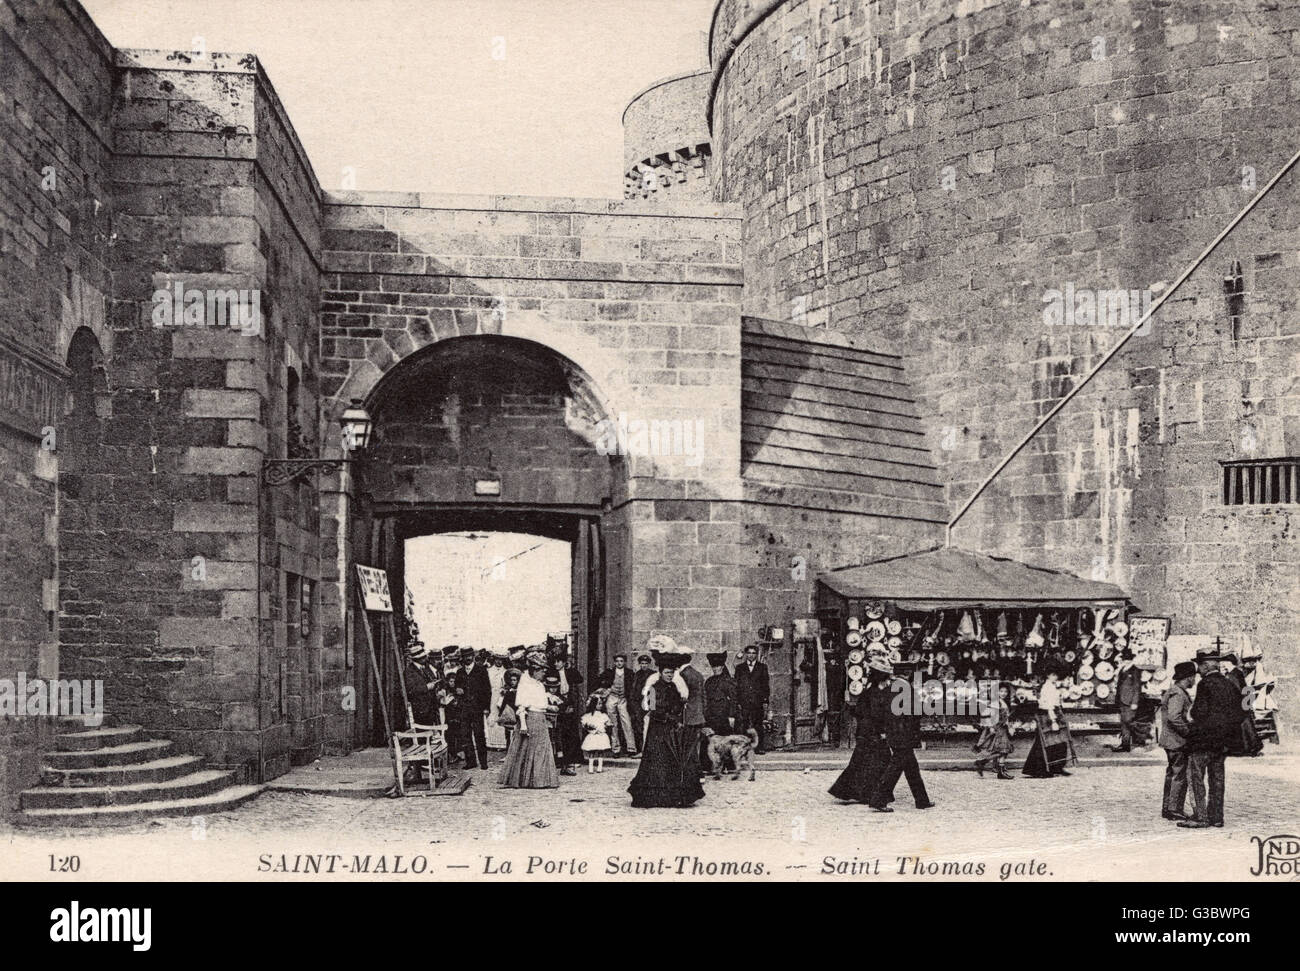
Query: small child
{"points": [[995, 734], [596, 741]]}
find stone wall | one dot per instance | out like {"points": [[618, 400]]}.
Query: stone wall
{"points": [[643, 304], [924, 175], [54, 235], [212, 195]]}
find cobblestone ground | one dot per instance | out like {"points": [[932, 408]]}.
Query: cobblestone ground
{"points": [[1099, 823]]}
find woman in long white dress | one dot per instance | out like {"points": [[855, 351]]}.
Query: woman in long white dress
{"points": [[496, 732]]}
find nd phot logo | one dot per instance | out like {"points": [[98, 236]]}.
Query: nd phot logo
{"points": [[1279, 856]]}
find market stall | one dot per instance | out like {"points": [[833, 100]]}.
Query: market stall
{"points": [[958, 617]]}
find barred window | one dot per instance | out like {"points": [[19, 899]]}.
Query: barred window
{"points": [[1261, 482]]}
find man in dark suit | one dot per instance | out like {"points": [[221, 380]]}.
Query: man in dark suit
{"points": [[1216, 720], [719, 697], [753, 689], [475, 692], [568, 724], [1128, 693], [693, 714], [902, 723], [644, 668]]}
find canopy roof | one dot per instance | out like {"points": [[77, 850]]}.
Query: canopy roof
{"points": [[946, 577]]}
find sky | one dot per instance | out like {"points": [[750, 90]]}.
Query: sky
{"points": [[489, 590], [520, 97]]}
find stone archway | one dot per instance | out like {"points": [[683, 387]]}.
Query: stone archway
{"points": [[498, 433]]}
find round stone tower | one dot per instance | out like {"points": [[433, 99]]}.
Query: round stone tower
{"points": [[666, 151], [997, 189]]}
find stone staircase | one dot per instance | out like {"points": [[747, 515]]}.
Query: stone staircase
{"points": [[113, 776]]}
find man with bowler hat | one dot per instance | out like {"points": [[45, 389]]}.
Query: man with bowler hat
{"points": [[902, 721], [1216, 719], [1175, 719], [753, 689]]}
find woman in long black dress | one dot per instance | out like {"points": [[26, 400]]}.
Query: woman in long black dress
{"points": [[1050, 758], [668, 775], [858, 781]]}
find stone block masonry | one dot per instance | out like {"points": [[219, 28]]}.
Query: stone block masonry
{"points": [[55, 209], [911, 178]]}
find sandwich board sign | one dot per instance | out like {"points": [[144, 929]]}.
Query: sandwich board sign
{"points": [[374, 589]]}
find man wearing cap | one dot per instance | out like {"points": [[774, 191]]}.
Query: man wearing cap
{"points": [[1128, 694], [1216, 719], [1175, 712], [475, 693], [752, 692], [719, 696], [618, 682]]}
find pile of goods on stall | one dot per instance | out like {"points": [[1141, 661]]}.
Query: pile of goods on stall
{"points": [[1013, 645]]}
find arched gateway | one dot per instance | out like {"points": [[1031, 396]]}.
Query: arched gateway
{"points": [[473, 437]]}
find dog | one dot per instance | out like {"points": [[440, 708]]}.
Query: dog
{"points": [[736, 749]]}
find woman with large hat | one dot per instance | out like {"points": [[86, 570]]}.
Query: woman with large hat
{"points": [[530, 759], [669, 774], [860, 778], [1052, 748]]}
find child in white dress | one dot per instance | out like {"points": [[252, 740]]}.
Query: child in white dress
{"points": [[595, 743]]}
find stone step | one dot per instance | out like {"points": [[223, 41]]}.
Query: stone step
{"points": [[78, 723], [156, 770], [220, 801], [98, 738], [190, 786], [144, 750]]}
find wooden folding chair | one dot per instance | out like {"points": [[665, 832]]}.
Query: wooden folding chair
{"points": [[425, 747]]}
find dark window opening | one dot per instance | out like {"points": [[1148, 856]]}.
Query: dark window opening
{"points": [[293, 604], [1262, 482], [295, 442], [304, 610], [1234, 286]]}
